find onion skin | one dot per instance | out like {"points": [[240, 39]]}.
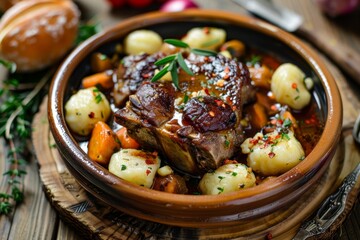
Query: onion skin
{"points": [[335, 8], [178, 5]]}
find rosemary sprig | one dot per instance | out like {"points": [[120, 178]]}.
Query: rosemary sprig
{"points": [[171, 63]]}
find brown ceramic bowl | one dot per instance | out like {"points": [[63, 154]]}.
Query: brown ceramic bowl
{"points": [[227, 210]]}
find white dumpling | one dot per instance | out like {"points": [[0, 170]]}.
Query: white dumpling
{"points": [[273, 153], [288, 87], [205, 38], [142, 41], [85, 108], [135, 166], [227, 178]]}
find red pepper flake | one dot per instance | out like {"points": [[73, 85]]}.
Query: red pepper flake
{"points": [[206, 58], [145, 75], [227, 69], [219, 102], [91, 115], [149, 161], [212, 114], [254, 141], [206, 91], [274, 107], [294, 86], [206, 30], [277, 136], [226, 77], [271, 154], [148, 171]]}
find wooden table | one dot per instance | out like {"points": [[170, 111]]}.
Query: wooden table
{"points": [[36, 219]]}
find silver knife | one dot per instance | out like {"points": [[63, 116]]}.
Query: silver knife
{"points": [[345, 57], [331, 208]]}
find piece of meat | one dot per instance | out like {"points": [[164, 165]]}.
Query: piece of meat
{"points": [[195, 128], [133, 70]]}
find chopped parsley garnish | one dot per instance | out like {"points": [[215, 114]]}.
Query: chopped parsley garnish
{"points": [[221, 178], [98, 97], [123, 167]]}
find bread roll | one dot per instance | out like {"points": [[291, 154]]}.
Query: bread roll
{"points": [[37, 33]]}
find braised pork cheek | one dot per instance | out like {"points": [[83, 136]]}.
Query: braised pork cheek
{"points": [[197, 126]]}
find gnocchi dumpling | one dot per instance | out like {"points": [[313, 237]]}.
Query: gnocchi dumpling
{"points": [[288, 87], [205, 38], [85, 108], [227, 178], [142, 41], [135, 166], [273, 153]]}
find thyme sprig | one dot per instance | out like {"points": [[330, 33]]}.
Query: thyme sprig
{"points": [[16, 114], [171, 63]]}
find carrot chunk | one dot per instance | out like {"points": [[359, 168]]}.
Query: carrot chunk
{"points": [[103, 143], [103, 79], [125, 140]]}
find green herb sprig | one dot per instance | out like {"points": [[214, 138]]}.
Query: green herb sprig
{"points": [[16, 111], [172, 62]]}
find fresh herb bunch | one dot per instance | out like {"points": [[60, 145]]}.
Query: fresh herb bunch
{"points": [[172, 62], [16, 113]]}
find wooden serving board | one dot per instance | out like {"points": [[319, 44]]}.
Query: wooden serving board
{"points": [[95, 220]]}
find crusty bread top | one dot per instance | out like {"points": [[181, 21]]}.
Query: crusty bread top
{"points": [[36, 33]]}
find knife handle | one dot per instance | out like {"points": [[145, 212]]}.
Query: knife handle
{"points": [[348, 59]]}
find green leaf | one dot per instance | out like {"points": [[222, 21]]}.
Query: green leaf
{"points": [[186, 98], [175, 77], [165, 60], [177, 43], [203, 52], [183, 65], [17, 195], [287, 123], [5, 208], [255, 59], [85, 31], [9, 65], [160, 74], [210, 43]]}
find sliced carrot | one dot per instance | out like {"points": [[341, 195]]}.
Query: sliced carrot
{"points": [[103, 79], [258, 116], [125, 140], [103, 143]]}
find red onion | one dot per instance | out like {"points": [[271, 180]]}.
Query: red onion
{"points": [[338, 7], [177, 5]]}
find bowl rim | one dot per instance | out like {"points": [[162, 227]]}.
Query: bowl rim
{"points": [[308, 167]]}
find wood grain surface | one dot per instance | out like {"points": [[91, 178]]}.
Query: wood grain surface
{"points": [[37, 219]]}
